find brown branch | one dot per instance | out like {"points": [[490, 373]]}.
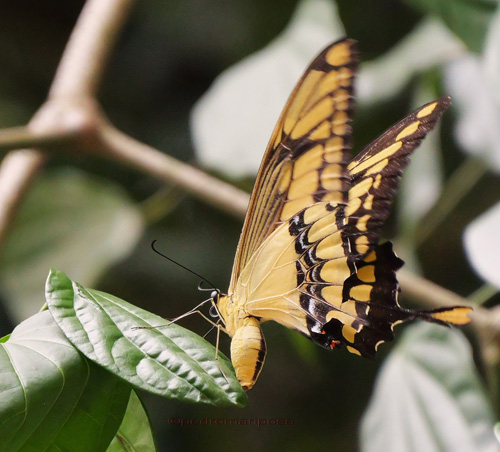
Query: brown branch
{"points": [[234, 201], [22, 137], [89, 48], [427, 293], [140, 156], [432, 295]]}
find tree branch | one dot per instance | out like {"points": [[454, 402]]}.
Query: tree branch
{"points": [[234, 201], [67, 113], [428, 294], [22, 137], [140, 156], [89, 48]]}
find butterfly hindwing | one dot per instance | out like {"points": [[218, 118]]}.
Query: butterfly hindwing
{"points": [[291, 281], [369, 307]]}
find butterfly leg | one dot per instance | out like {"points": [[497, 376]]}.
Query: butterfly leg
{"points": [[197, 311], [219, 327], [215, 325], [208, 332]]}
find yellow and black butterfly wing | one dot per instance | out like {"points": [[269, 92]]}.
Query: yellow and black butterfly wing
{"points": [[365, 307], [322, 271], [375, 173], [306, 158]]}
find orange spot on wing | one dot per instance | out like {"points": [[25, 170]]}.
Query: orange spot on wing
{"points": [[334, 344]]}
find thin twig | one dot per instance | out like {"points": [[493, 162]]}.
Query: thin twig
{"points": [[483, 294], [432, 295], [23, 137], [234, 201], [457, 187], [427, 293]]}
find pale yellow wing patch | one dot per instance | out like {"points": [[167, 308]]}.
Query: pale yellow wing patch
{"points": [[280, 282]]}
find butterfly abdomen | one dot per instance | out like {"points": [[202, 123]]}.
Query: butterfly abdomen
{"points": [[248, 351]]}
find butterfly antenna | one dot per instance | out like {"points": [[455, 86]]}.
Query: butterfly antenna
{"points": [[184, 267]]}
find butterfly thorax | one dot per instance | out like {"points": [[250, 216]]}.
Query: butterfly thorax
{"points": [[232, 313]]}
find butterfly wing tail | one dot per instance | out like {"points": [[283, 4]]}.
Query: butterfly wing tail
{"points": [[455, 315]]}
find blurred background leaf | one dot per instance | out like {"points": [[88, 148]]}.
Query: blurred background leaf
{"points": [[70, 219], [468, 20], [482, 244], [429, 397], [229, 125]]}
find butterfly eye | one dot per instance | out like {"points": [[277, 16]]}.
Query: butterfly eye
{"points": [[215, 296], [213, 312]]}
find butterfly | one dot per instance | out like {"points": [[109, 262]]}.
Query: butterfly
{"points": [[309, 255]]}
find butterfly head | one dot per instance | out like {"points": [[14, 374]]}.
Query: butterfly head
{"points": [[214, 295], [214, 298]]}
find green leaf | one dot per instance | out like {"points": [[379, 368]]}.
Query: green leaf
{"points": [[169, 361], [135, 432], [467, 19], [72, 220], [428, 397], [51, 397]]}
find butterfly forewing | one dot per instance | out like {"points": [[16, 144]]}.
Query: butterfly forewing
{"points": [[306, 157], [375, 173]]}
